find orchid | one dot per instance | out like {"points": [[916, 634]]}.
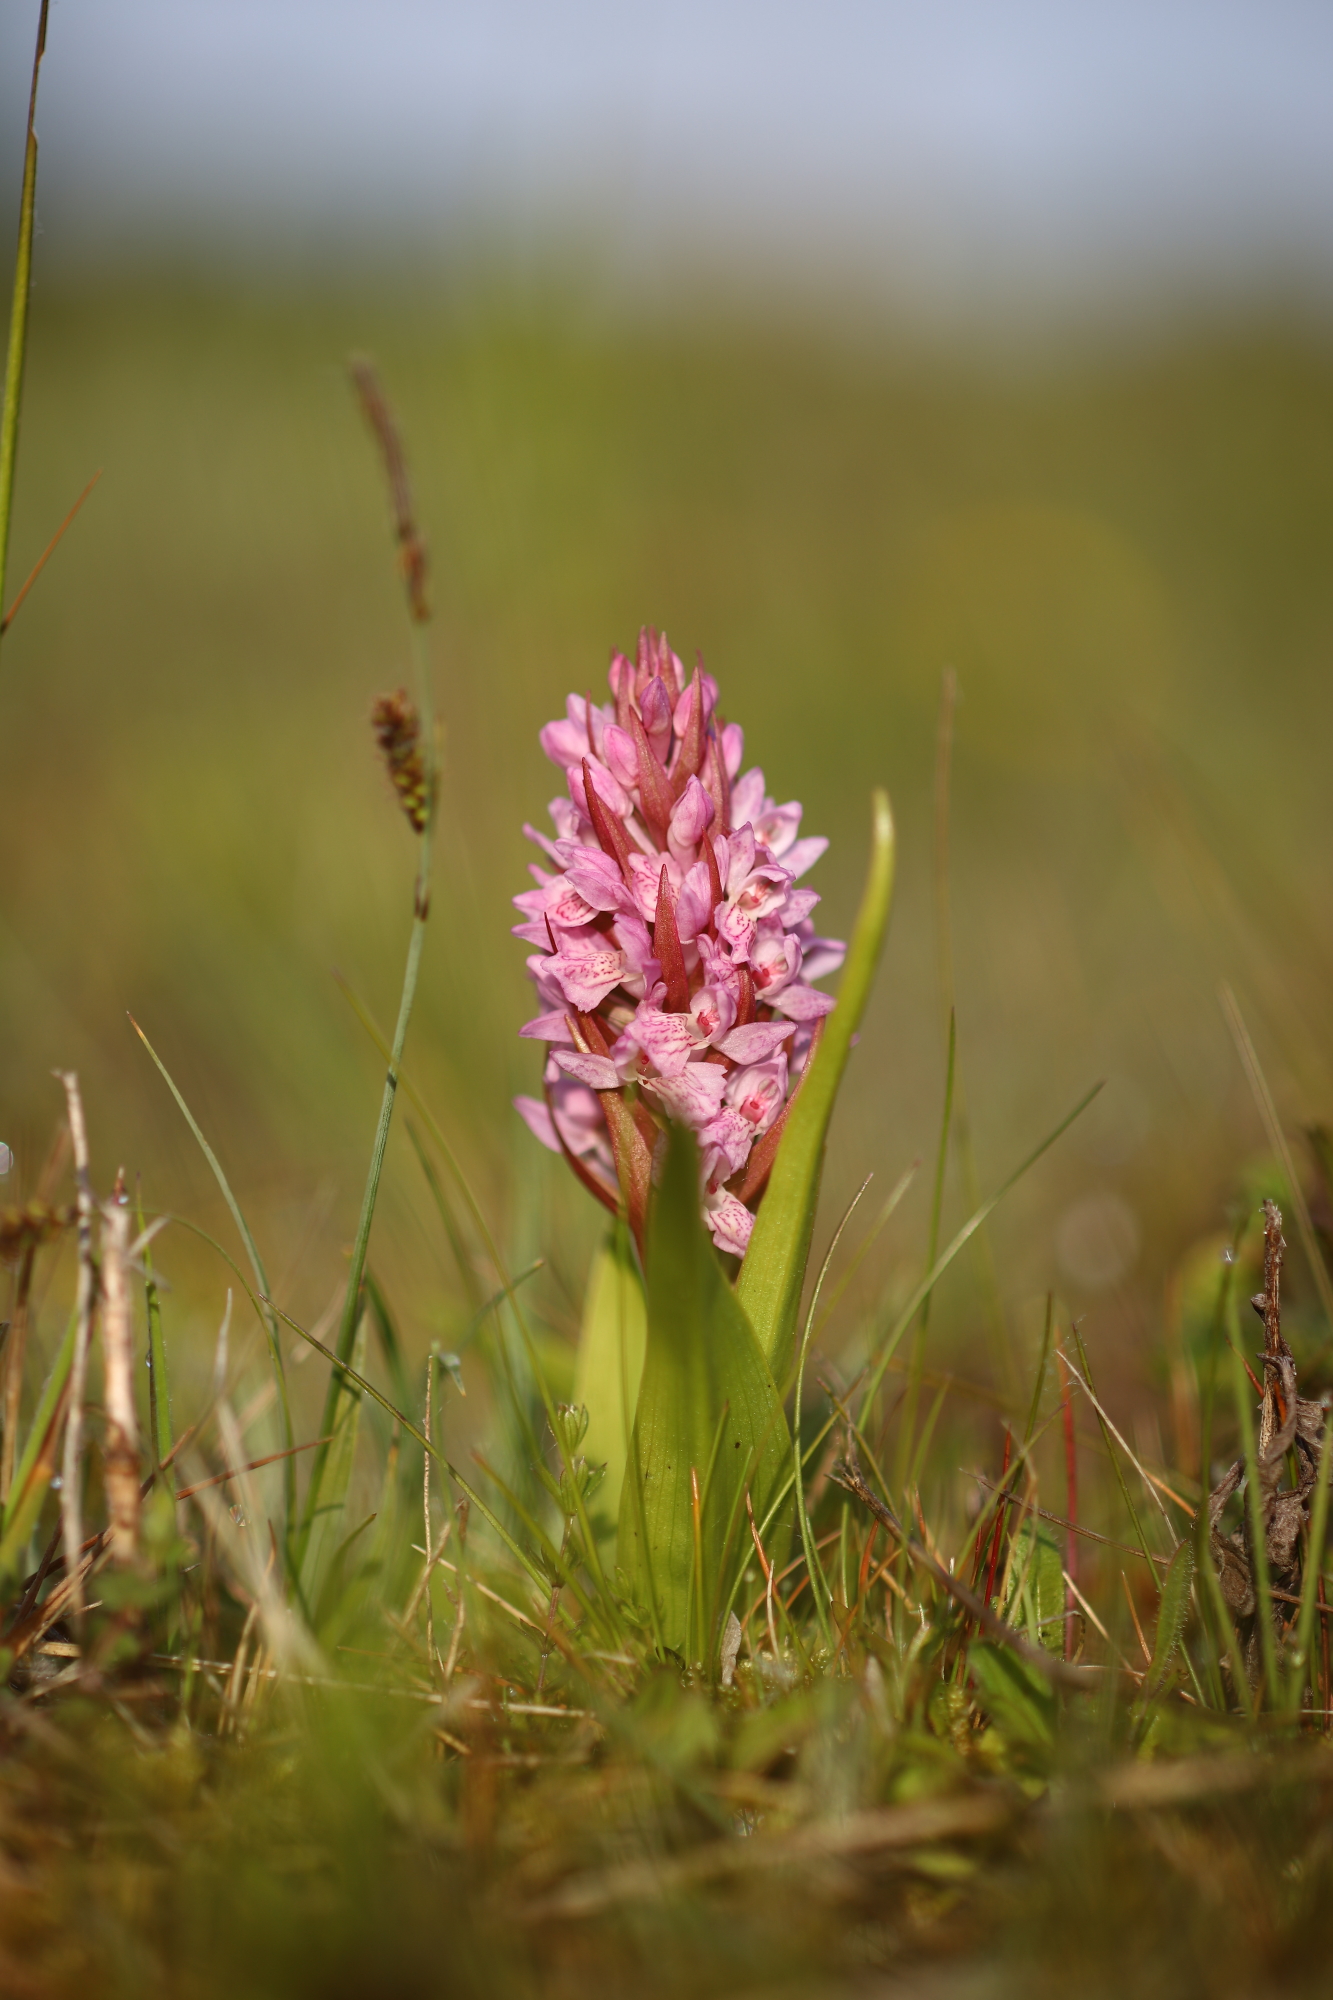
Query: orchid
{"points": [[674, 954]]}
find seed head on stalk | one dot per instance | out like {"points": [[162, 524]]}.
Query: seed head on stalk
{"points": [[674, 953]]}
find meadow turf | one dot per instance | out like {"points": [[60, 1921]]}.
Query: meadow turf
{"points": [[1120, 550]]}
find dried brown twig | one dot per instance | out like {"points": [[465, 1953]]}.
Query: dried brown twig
{"points": [[1287, 1422]]}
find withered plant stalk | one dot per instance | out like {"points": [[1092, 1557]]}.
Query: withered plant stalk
{"points": [[121, 1449]]}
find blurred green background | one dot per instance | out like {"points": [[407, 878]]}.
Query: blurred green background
{"points": [[1120, 548]]}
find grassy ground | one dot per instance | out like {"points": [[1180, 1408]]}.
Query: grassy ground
{"points": [[1121, 556]]}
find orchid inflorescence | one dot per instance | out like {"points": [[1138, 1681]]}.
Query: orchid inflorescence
{"points": [[674, 952]]}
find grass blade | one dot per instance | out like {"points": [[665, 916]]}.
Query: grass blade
{"points": [[1277, 1138], [1263, 1586], [964, 1236], [351, 1311], [367, 1388], [37, 1465], [18, 314], [818, 1584], [1174, 1610], [159, 1384], [1314, 1563], [326, 1501], [251, 1251], [907, 1424]]}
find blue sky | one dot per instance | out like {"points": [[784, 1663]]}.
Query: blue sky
{"points": [[941, 147]]}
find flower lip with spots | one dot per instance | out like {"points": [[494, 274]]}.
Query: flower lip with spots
{"points": [[674, 957]]}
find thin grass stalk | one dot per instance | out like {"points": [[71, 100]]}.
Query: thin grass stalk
{"points": [[1304, 1665], [413, 560], [819, 1590], [70, 1494], [1203, 1565], [1043, 1362], [633, 1464], [46, 555], [868, 1242], [907, 1423], [460, 1614], [694, 1603], [1226, 1627], [1109, 1441], [497, 1261], [699, 1605], [267, 1315], [426, 1426], [964, 1236], [16, 1346], [462, 1258], [1263, 1588], [774, 1509], [592, 1607], [567, 1458], [39, 1447], [1071, 1509], [473, 1497], [997, 1537], [990, 1285], [361, 1243], [159, 1386], [1263, 1097], [18, 313], [922, 1452]]}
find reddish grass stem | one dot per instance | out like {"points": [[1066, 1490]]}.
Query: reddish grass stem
{"points": [[1071, 1508]]}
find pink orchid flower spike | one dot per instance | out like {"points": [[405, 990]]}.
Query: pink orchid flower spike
{"points": [[674, 954]]}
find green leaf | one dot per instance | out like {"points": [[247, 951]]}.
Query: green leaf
{"points": [[773, 1274], [610, 1358], [708, 1404]]}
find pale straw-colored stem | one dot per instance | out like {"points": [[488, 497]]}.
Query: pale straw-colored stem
{"points": [[121, 1449]]}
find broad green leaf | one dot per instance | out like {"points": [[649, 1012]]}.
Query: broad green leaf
{"points": [[1035, 1598], [610, 1358], [773, 1273], [326, 1502], [708, 1405]]}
